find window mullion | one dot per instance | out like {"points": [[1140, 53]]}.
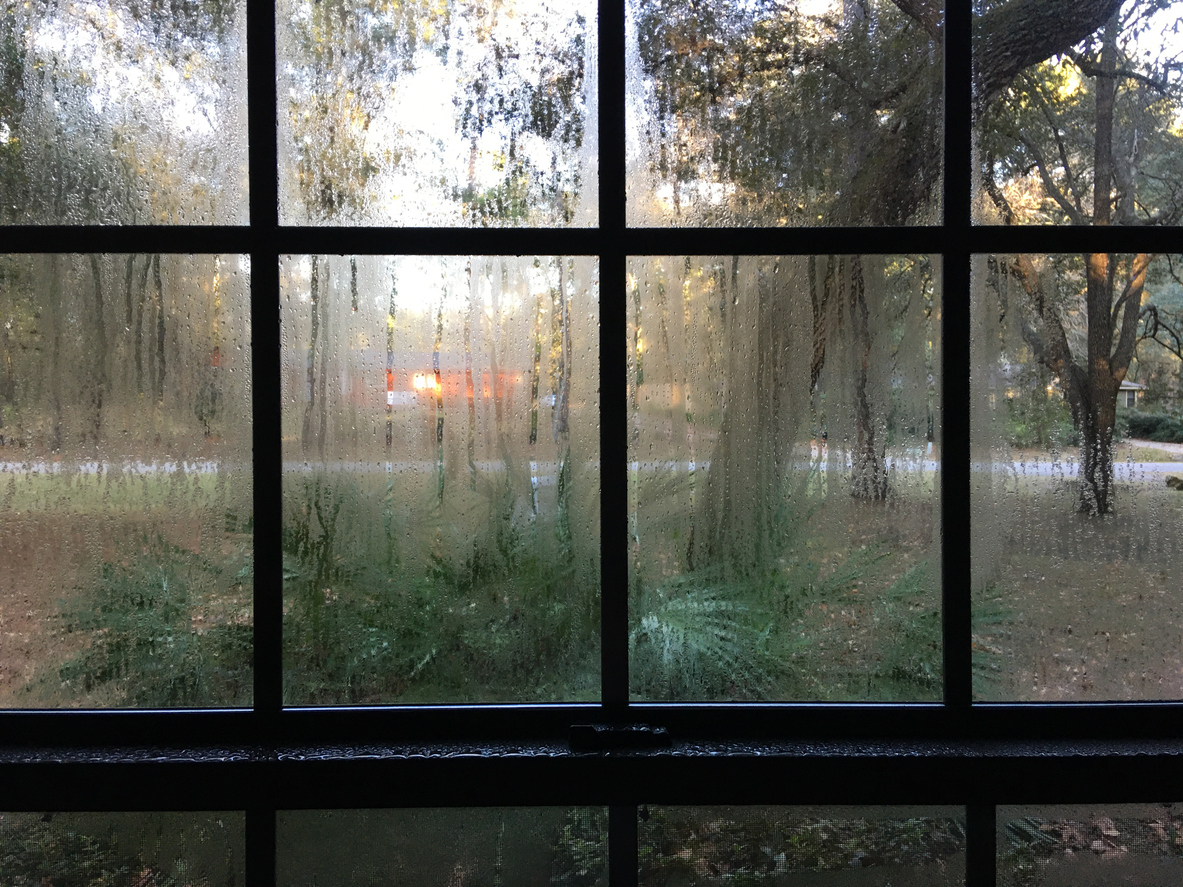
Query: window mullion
{"points": [[613, 374], [955, 395], [622, 846], [265, 345], [981, 854]]}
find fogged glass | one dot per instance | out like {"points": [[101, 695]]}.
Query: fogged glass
{"points": [[784, 477], [524, 845], [126, 113], [123, 849], [1077, 519], [1087, 133], [1105, 845], [441, 479], [802, 846], [442, 114], [799, 113], [125, 481]]}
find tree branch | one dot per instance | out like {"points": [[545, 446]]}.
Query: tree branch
{"points": [[995, 193], [1049, 343], [1160, 327], [1045, 108], [1022, 33], [928, 14], [1129, 305], [1091, 69], [1049, 183]]}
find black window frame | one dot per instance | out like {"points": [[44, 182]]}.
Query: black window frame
{"points": [[269, 758]]}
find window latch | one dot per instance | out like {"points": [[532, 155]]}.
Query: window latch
{"points": [[618, 737]]}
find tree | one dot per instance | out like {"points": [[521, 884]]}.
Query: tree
{"points": [[835, 119], [134, 117], [1089, 140], [512, 152]]}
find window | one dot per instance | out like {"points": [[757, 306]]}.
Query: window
{"points": [[273, 768]]}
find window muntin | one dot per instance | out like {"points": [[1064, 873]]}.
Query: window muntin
{"points": [[953, 766]]}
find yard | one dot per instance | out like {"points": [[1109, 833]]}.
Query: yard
{"points": [[1070, 607]]}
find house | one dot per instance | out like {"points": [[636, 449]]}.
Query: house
{"points": [[1129, 393]]}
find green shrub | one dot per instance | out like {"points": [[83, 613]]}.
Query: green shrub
{"points": [[158, 636], [1154, 426], [1038, 421], [493, 622]]}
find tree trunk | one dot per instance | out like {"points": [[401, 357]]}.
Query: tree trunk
{"points": [[561, 425], [869, 462], [139, 326], [310, 358], [159, 307], [98, 378], [55, 353], [1096, 450], [747, 510], [1099, 401]]}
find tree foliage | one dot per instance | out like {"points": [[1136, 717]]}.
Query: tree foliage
{"points": [[360, 150], [133, 115]]}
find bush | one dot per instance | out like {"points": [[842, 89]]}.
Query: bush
{"points": [[1038, 421], [1154, 426], [157, 639], [493, 621]]}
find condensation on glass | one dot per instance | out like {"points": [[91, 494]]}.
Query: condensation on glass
{"points": [[441, 478], [125, 481], [479, 845], [198, 849], [1077, 529], [1088, 134], [127, 113], [1102, 845], [801, 113], [434, 112], [802, 846], [784, 455]]}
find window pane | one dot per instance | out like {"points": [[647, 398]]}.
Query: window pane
{"points": [[1077, 525], [1133, 845], [443, 114], [1087, 132], [441, 485], [805, 846], [784, 470], [802, 113], [127, 113], [123, 849], [125, 481], [521, 846]]}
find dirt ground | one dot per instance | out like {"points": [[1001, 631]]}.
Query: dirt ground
{"points": [[49, 560], [1079, 608], [44, 560]]}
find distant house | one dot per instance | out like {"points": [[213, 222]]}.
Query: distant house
{"points": [[1129, 393]]}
